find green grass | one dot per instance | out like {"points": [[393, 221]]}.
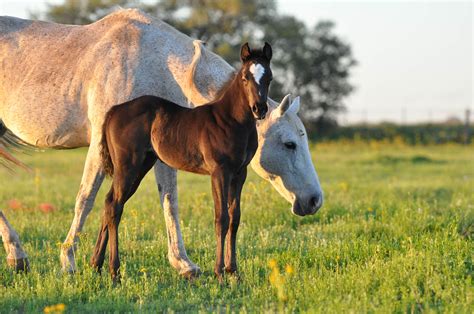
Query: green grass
{"points": [[395, 234]]}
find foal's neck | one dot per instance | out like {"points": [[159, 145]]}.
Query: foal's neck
{"points": [[233, 104]]}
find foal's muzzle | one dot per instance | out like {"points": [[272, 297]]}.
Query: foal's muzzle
{"points": [[260, 110]]}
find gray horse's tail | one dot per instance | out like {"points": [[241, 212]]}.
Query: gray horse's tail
{"points": [[104, 148], [11, 142]]}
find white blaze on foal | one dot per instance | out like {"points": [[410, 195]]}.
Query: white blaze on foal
{"points": [[257, 70]]}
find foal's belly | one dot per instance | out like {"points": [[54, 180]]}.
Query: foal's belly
{"points": [[182, 161]]}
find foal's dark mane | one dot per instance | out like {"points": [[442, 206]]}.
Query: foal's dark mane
{"points": [[225, 88], [257, 54]]}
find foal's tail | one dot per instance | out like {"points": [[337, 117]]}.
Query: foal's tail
{"points": [[9, 141], [104, 149]]}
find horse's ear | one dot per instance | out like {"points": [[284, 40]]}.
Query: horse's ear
{"points": [[295, 105], [282, 107], [267, 51], [245, 52]]}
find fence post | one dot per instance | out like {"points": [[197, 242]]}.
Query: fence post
{"points": [[467, 135]]}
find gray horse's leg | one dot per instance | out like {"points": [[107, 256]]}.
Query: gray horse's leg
{"points": [[92, 178], [167, 188], [16, 257]]}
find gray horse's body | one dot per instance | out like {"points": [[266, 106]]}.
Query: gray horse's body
{"points": [[58, 81]]}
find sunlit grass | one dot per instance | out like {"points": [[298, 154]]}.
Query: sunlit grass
{"points": [[395, 233]]}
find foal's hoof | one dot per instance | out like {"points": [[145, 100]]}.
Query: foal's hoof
{"points": [[19, 265], [220, 278], [95, 267], [234, 276], [116, 281], [191, 273]]}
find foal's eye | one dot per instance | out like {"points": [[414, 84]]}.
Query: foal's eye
{"points": [[290, 145]]}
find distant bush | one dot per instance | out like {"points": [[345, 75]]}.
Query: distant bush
{"points": [[409, 134]]}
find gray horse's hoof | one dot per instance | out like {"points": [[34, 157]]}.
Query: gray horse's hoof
{"points": [[191, 273], [19, 265], [68, 264]]}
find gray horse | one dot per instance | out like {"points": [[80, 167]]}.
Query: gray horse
{"points": [[57, 82]]}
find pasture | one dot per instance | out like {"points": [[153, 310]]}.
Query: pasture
{"points": [[395, 234]]}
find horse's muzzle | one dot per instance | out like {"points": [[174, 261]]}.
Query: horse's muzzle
{"points": [[307, 208]]}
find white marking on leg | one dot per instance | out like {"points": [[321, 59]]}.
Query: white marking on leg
{"points": [[167, 187], [257, 70]]}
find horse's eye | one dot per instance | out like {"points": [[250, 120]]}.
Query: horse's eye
{"points": [[290, 145]]}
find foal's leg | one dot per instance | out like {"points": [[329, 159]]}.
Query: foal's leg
{"points": [[220, 191], [167, 188], [92, 178], [234, 212], [127, 178], [97, 259]]}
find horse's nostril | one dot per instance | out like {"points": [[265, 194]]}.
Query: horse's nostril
{"points": [[314, 202]]}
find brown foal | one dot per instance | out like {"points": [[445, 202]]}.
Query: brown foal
{"points": [[218, 139]]}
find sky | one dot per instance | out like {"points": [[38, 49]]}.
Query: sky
{"points": [[415, 58]]}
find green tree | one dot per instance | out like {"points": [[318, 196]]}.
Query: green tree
{"points": [[311, 62], [314, 63], [223, 24]]}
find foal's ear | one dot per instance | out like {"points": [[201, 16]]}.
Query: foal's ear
{"points": [[267, 51], [245, 52]]}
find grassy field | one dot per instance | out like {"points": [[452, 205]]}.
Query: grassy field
{"points": [[395, 234]]}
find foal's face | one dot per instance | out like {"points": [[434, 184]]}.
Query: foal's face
{"points": [[256, 77]]}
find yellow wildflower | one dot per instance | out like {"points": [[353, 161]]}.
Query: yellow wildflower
{"points": [[57, 308], [272, 263], [60, 307], [344, 186]]}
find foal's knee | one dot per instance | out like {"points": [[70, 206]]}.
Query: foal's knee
{"points": [[222, 220], [235, 220]]}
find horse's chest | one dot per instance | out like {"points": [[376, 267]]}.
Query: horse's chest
{"points": [[242, 149]]}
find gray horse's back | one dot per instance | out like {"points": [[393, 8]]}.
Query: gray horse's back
{"points": [[57, 81], [49, 73]]}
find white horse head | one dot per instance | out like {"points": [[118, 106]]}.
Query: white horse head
{"points": [[283, 157]]}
